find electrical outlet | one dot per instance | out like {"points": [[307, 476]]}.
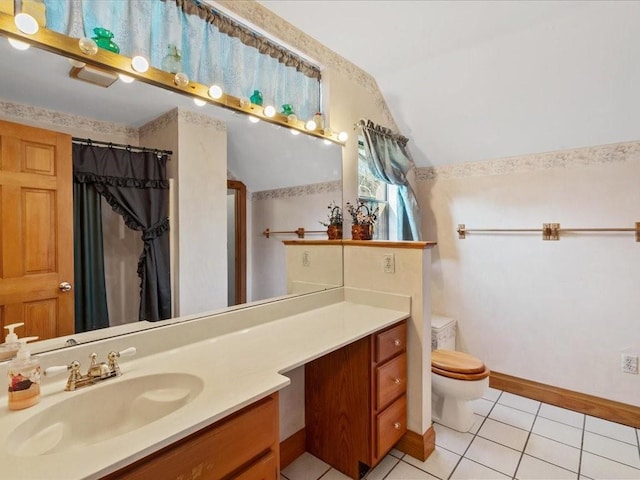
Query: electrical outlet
{"points": [[306, 260], [389, 263], [629, 363]]}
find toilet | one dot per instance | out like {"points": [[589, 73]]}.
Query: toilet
{"points": [[457, 378]]}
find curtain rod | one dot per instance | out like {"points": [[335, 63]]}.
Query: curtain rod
{"points": [[88, 141]]}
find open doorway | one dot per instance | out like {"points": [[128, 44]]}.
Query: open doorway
{"points": [[236, 242]]}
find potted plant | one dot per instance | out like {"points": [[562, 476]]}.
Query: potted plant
{"points": [[363, 220], [334, 223]]}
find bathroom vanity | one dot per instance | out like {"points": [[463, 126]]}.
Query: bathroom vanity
{"points": [[208, 389]]}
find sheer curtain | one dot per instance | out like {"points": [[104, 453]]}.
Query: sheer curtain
{"points": [[214, 48], [389, 161], [135, 185]]}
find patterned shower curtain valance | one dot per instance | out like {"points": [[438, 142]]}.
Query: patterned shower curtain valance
{"points": [[213, 49]]}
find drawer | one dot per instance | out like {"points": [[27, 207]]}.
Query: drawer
{"points": [[217, 451], [391, 425], [264, 469], [391, 342], [391, 380]]}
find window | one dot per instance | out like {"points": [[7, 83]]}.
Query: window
{"points": [[376, 193]]}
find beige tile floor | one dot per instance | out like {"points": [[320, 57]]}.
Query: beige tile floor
{"points": [[513, 437]]}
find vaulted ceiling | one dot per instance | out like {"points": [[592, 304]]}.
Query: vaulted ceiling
{"points": [[477, 80]]}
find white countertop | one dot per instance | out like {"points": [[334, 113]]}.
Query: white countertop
{"points": [[237, 368]]}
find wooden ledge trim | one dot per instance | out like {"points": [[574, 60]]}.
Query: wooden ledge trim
{"points": [[312, 242], [580, 402], [365, 243], [388, 244], [417, 445]]}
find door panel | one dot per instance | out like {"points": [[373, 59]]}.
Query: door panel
{"points": [[36, 241]]}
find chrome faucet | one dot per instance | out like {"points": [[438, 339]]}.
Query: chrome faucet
{"points": [[96, 372]]}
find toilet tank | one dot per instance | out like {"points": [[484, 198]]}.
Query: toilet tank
{"points": [[443, 333]]}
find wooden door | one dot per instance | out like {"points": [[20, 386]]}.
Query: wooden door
{"points": [[36, 237]]}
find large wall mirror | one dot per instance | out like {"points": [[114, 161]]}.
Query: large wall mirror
{"points": [[289, 181]]}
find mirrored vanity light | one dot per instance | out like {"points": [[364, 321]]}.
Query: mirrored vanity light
{"points": [[139, 64], [125, 78], [215, 91], [88, 46], [199, 102], [253, 119], [181, 79], [269, 111], [295, 132], [327, 142], [77, 63], [17, 44], [26, 23]]}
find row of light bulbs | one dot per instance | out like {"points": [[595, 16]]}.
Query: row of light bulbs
{"points": [[29, 26]]}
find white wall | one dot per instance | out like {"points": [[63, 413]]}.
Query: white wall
{"points": [[282, 210], [556, 312], [202, 200]]}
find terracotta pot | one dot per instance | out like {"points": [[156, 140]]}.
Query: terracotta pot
{"points": [[334, 232], [361, 232]]}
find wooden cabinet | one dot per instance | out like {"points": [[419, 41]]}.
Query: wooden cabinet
{"points": [[355, 401], [243, 446]]}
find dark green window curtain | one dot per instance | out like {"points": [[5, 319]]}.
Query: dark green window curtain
{"points": [[90, 294], [135, 185]]}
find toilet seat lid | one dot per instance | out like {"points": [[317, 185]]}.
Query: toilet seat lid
{"points": [[457, 362]]}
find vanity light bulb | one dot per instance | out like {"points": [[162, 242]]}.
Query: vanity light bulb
{"points": [[269, 111], [181, 79], [17, 44], [199, 102], [292, 118], [88, 46], [125, 78], [343, 136], [295, 132], [327, 142], [310, 125], [215, 92], [245, 102], [139, 64], [253, 119], [26, 23]]}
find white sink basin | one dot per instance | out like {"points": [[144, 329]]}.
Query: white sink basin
{"points": [[102, 412]]}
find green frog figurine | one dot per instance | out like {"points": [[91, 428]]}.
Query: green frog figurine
{"points": [[103, 40]]}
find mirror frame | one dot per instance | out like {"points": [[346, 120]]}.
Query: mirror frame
{"points": [[64, 45]]}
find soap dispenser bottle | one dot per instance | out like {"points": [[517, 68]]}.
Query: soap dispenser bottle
{"points": [[10, 347], [24, 378]]}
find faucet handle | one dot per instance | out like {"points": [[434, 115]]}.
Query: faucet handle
{"points": [[56, 370], [112, 359], [127, 352]]}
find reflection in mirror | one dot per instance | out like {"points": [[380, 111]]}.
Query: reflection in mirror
{"points": [[289, 182]]}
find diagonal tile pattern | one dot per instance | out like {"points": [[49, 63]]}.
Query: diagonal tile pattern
{"points": [[513, 438]]}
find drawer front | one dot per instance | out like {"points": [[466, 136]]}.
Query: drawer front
{"points": [[391, 426], [391, 342], [264, 469], [217, 451], [391, 381], [242, 438]]}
